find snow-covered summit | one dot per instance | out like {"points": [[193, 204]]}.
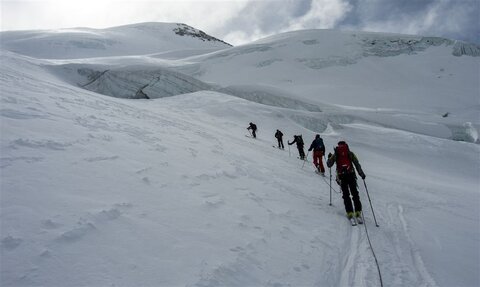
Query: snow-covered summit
{"points": [[135, 39]]}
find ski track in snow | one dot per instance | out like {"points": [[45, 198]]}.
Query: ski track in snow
{"points": [[405, 274]]}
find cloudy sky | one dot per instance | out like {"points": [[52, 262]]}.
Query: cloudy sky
{"points": [[242, 21]]}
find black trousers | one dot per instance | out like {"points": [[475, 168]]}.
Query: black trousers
{"points": [[280, 143], [301, 152], [348, 183]]}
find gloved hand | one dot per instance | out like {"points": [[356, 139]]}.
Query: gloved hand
{"points": [[363, 176], [329, 155]]}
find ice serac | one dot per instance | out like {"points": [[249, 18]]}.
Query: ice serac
{"points": [[141, 83], [384, 46], [462, 48]]}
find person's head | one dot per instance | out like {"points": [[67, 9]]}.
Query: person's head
{"points": [[317, 136], [251, 123], [342, 143]]}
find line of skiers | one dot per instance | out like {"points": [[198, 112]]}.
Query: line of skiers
{"points": [[346, 164]]}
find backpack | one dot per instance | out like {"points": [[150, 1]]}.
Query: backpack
{"points": [[321, 145], [254, 127], [342, 156], [300, 140]]}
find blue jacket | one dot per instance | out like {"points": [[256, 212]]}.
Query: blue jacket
{"points": [[317, 145]]}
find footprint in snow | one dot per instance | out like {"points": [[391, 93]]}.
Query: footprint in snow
{"points": [[143, 170], [215, 203], [50, 224], [8, 161], [300, 268], [48, 144], [193, 152], [11, 242], [86, 227], [77, 233], [237, 249], [19, 115], [101, 158]]}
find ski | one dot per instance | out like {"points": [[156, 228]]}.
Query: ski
{"points": [[320, 173], [352, 221], [360, 220]]}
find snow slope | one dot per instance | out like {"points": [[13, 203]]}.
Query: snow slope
{"points": [[357, 69], [342, 72], [136, 39], [98, 190]]}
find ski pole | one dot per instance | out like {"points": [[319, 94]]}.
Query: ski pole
{"points": [[305, 159], [366, 189], [330, 171]]}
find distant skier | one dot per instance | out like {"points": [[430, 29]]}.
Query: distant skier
{"points": [[346, 160], [299, 141], [318, 152], [279, 136], [253, 127]]}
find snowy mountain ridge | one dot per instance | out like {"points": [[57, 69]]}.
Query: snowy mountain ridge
{"points": [[135, 168], [134, 39]]}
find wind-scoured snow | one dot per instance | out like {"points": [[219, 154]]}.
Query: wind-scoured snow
{"points": [[99, 189]]}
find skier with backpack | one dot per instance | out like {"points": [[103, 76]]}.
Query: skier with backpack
{"points": [[318, 151], [279, 136], [347, 162], [253, 127], [299, 141]]}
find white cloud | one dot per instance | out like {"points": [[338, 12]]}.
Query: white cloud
{"points": [[457, 19], [259, 19], [106, 13], [242, 21], [323, 14]]}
